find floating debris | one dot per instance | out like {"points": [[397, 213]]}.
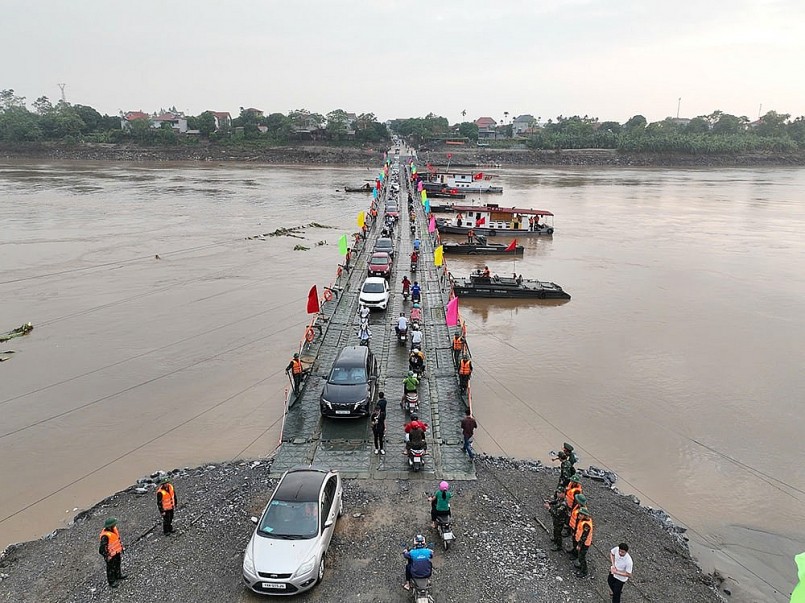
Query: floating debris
{"points": [[321, 243], [301, 248], [317, 225], [18, 332]]}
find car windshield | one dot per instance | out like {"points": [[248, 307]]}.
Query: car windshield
{"points": [[377, 261], [373, 288], [355, 375], [383, 244], [290, 520]]}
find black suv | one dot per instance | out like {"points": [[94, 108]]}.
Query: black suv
{"points": [[351, 386]]}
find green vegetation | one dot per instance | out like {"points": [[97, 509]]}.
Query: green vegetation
{"points": [[717, 133]]}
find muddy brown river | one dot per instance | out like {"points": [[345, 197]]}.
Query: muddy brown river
{"points": [[678, 363]]}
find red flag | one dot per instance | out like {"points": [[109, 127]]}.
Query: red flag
{"points": [[512, 246], [478, 176], [313, 301], [481, 221]]}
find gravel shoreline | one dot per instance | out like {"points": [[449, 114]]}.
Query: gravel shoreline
{"points": [[460, 157], [502, 552]]}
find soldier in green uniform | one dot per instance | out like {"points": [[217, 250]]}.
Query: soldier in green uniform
{"points": [[571, 456], [558, 510], [566, 469]]}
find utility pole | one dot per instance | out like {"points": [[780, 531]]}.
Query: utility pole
{"points": [[678, 105], [63, 97], [760, 110]]}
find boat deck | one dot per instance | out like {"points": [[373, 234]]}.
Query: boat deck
{"points": [[347, 444]]}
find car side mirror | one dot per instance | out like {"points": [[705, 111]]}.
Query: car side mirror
{"points": [[254, 520], [373, 378]]}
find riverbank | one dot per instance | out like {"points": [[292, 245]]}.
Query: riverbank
{"points": [[312, 154], [502, 552]]}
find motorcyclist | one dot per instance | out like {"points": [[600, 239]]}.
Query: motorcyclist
{"points": [[406, 285], [418, 564], [364, 313], [410, 384], [416, 361], [416, 313], [416, 339], [416, 244], [364, 333], [402, 324], [440, 502], [415, 434], [414, 257], [416, 292]]}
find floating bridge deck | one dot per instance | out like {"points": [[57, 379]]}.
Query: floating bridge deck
{"points": [[347, 444]]}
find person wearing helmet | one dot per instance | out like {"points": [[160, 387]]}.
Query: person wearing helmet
{"points": [[111, 548], [440, 502], [557, 507], [410, 384], [166, 503], [566, 470], [464, 372], [402, 324], [418, 561], [364, 312], [415, 434], [416, 313], [416, 360], [416, 292], [406, 285], [458, 347]]}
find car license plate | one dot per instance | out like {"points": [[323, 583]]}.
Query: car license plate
{"points": [[273, 585], [342, 412]]}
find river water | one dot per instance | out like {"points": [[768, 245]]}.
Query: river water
{"points": [[678, 363]]}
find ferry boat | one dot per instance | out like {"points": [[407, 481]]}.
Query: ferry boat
{"points": [[463, 182], [491, 219]]}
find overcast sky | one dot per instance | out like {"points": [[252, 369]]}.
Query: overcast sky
{"points": [[401, 58]]}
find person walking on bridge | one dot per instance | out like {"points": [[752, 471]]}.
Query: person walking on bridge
{"points": [[468, 427], [111, 548], [166, 503]]}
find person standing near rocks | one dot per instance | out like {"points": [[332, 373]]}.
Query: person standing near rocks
{"points": [[468, 427], [620, 571], [579, 501], [166, 503], [111, 548], [571, 456], [584, 538], [558, 510], [566, 469]]}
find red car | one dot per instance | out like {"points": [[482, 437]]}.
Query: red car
{"points": [[380, 264]]}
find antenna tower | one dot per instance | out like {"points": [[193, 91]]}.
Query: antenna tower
{"points": [[63, 97]]}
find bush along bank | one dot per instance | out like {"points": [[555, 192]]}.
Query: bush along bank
{"points": [[501, 552]]}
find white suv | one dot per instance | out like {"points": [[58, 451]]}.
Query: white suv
{"points": [[375, 293]]}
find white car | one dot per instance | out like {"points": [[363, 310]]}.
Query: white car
{"points": [[375, 293], [286, 553]]}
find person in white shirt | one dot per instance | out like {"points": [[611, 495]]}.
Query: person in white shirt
{"points": [[620, 571], [416, 339]]}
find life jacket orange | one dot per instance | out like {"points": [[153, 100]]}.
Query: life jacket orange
{"points": [[574, 516], [458, 343], [114, 546], [168, 496], [573, 488], [297, 366], [584, 520], [465, 368]]}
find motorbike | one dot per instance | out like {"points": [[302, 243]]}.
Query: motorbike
{"points": [[412, 402], [416, 297], [421, 590], [406, 294], [413, 266], [445, 529], [416, 458], [402, 336], [413, 228]]}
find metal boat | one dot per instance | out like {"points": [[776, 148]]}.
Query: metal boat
{"points": [[478, 285], [492, 220]]}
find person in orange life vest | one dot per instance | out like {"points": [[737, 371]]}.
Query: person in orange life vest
{"points": [[583, 538], [111, 548], [347, 258], [458, 347], [166, 503], [464, 372], [486, 273], [470, 236], [579, 501], [295, 367]]}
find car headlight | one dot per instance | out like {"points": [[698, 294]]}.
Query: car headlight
{"points": [[248, 563], [306, 566]]}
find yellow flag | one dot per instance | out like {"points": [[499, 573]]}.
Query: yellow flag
{"points": [[361, 219], [424, 196], [438, 255]]}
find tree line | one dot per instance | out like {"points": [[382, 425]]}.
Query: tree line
{"points": [[72, 123], [715, 133]]}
